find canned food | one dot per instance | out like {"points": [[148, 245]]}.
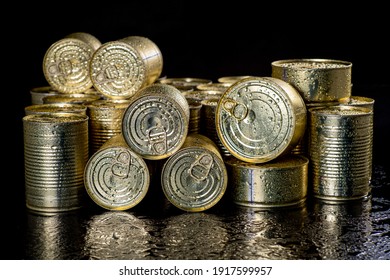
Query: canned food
{"points": [[38, 93], [361, 101], [185, 83], [195, 178], [195, 115], [66, 62], [115, 177], [155, 124], [317, 80], [278, 183], [340, 151], [55, 108], [55, 155], [74, 98], [120, 68], [260, 119]]}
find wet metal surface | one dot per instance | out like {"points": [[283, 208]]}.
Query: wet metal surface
{"points": [[154, 229]]}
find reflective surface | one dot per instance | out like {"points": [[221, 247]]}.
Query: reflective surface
{"points": [[155, 229]]}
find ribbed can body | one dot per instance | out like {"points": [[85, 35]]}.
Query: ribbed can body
{"points": [[55, 154]]}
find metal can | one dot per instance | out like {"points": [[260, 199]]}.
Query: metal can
{"points": [[155, 124], [201, 95], [232, 79], [38, 93], [317, 80], [55, 155], [105, 120], [195, 178], [279, 183], [340, 151], [220, 87], [71, 98], [115, 177], [55, 108], [361, 101], [185, 83], [120, 68], [260, 119], [195, 115], [66, 62]]}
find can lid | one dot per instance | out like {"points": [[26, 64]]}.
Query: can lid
{"points": [[194, 179], [116, 178], [258, 119]]}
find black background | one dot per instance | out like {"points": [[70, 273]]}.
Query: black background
{"points": [[196, 39]]}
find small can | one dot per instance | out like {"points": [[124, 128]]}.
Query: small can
{"points": [[317, 80], [38, 93], [55, 108], [105, 120], [340, 151], [120, 68], [115, 177], [71, 98], [361, 101], [55, 155], [195, 178], [232, 79], [195, 115], [185, 83], [66, 62], [155, 124], [260, 119], [279, 183]]}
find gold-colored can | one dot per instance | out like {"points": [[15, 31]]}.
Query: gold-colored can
{"points": [[317, 80], [260, 119], [278, 183], [105, 120], [340, 151], [115, 177], [220, 87], [185, 83], [201, 95], [71, 98], [55, 155], [66, 62], [120, 68], [232, 79], [195, 115], [55, 108], [38, 93], [155, 124], [195, 178], [361, 101]]}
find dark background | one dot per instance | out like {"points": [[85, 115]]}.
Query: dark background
{"points": [[196, 40]]}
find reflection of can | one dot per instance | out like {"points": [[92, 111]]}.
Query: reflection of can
{"points": [[115, 177], [259, 119], [317, 80], [66, 62], [120, 68], [38, 93], [105, 120], [194, 178], [55, 154], [55, 108], [155, 124], [278, 183], [340, 151]]}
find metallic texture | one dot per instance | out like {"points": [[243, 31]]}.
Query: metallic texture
{"points": [[260, 119], [202, 94], [195, 115], [278, 183], [38, 93], [155, 124], [71, 98], [185, 83], [66, 62], [120, 68], [105, 120], [55, 108], [195, 178], [361, 101], [115, 177], [55, 154], [232, 79], [340, 151], [220, 87], [317, 80]]}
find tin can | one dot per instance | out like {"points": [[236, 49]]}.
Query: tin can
{"points": [[232, 79], [66, 62], [220, 87], [55, 108], [120, 68], [185, 83], [115, 177], [38, 93], [361, 101], [72, 98], [260, 119], [317, 80], [156, 122], [195, 178], [279, 183], [340, 151], [201, 95], [195, 115], [105, 120], [55, 155]]}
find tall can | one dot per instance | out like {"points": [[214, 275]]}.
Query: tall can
{"points": [[340, 151], [55, 155], [259, 119], [120, 68], [155, 124], [66, 62], [115, 177], [195, 178]]}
